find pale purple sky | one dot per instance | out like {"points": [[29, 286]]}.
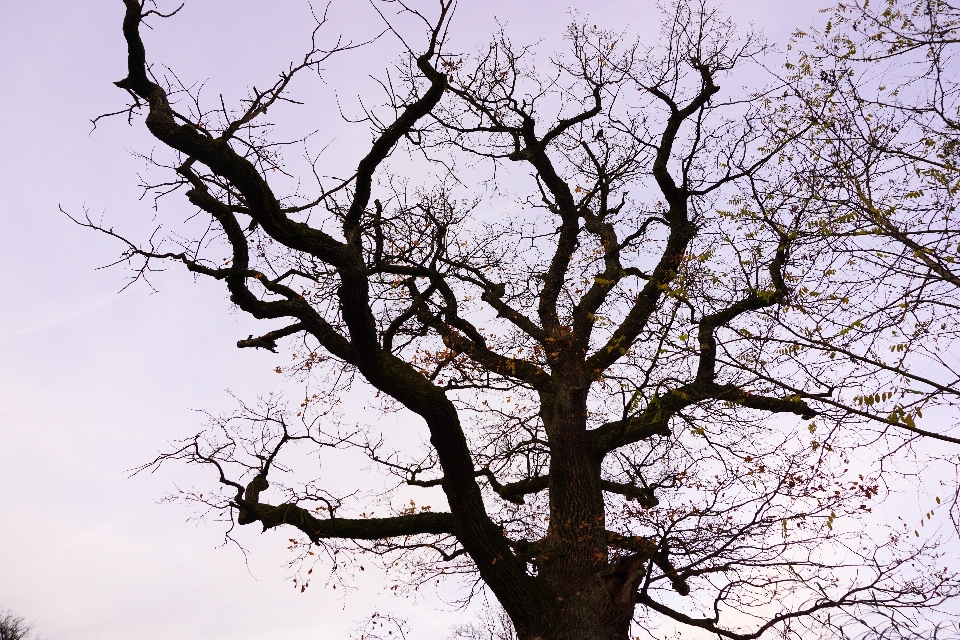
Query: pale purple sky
{"points": [[93, 382]]}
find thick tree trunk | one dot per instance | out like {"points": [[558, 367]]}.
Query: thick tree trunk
{"points": [[575, 546], [594, 599], [587, 614]]}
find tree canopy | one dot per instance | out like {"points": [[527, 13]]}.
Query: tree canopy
{"points": [[669, 343]]}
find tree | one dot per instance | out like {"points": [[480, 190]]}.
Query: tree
{"points": [[14, 627], [492, 624], [610, 377]]}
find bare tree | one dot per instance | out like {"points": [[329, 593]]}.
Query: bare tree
{"points": [[14, 627], [493, 623], [605, 360]]}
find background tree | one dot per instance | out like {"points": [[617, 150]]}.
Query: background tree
{"points": [[599, 345], [493, 623], [14, 627]]}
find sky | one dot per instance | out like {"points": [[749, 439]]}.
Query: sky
{"points": [[95, 380]]}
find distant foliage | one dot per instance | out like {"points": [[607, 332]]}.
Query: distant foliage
{"points": [[14, 627], [493, 623]]}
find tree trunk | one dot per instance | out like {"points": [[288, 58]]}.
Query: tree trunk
{"points": [[587, 614], [594, 599]]}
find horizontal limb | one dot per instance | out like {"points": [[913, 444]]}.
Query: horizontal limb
{"points": [[316, 529], [268, 341]]}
